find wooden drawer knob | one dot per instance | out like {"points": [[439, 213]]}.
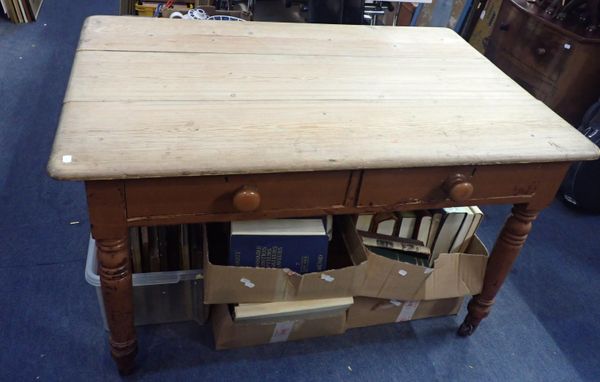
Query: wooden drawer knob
{"points": [[246, 199], [458, 188]]}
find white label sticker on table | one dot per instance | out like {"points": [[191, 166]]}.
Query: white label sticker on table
{"points": [[402, 272], [407, 311], [247, 282], [327, 278], [282, 331]]}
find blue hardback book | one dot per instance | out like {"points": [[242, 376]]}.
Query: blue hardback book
{"points": [[297, 244]]}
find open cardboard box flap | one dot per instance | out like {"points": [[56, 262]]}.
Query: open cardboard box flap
{"points": [[230, 284], [453, 275]]}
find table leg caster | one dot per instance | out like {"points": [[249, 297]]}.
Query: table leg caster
{"points": [[126, 364], [466, 329]]}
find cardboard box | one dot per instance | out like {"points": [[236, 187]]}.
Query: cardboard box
{"points": [[368, 311], [229, 334], [364, 274], [453, 275], [224, 284]]}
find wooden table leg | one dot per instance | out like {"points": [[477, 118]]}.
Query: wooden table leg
{"points": [[117, 293], [507, 248], [106, 205]]}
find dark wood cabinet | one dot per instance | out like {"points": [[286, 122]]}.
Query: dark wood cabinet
{"points": [[557, 62]]}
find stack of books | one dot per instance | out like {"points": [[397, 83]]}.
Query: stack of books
{"points": [[166, 248], [420, 236], [21, 11]]}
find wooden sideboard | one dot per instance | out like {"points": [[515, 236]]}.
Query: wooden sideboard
{"points": [[244, 137], [557, 62]]}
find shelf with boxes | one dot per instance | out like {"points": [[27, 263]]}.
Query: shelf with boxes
{"points": [[265, 281], [382, 289]]}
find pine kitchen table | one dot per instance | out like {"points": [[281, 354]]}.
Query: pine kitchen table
{"points": [[176, 121]]}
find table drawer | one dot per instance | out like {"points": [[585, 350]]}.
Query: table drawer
{"points": [[235, 193], [435, 185]]}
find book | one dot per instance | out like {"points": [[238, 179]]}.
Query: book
{"points": [[196, 242], [464, 228], [145, 249], [278, 310], [422, 226], [386, 227], [363, 223], [162, 248], [385, 223], [401, 244], [407, 224], [35, 6], [436, 219], [184, 244], [477, 218], [402, 256], [329, 226], [297, 244], [450, 225], [154, 249], [136, 250]]}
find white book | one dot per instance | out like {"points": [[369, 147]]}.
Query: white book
{"points": [[364, 222], [283, 227], [288, 309], [452, 221], [436, 219], [424, 222], [464, 228], [407, 225], [386, 227], [477, 218], [397, 244]]}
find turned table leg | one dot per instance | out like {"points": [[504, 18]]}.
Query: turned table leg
{"points": [[115, 280], [106, 205], [507, 248]]}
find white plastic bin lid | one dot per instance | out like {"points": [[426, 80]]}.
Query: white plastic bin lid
{"points": [[139, 279]]}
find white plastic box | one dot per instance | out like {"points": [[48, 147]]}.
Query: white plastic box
{"points": [[158, 297]]}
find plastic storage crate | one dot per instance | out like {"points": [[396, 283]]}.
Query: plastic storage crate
{"points": [[158, 297]]}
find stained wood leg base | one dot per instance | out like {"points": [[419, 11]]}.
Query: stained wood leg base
{"points": [[124, 357], [478, 310], [466, 329]]}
